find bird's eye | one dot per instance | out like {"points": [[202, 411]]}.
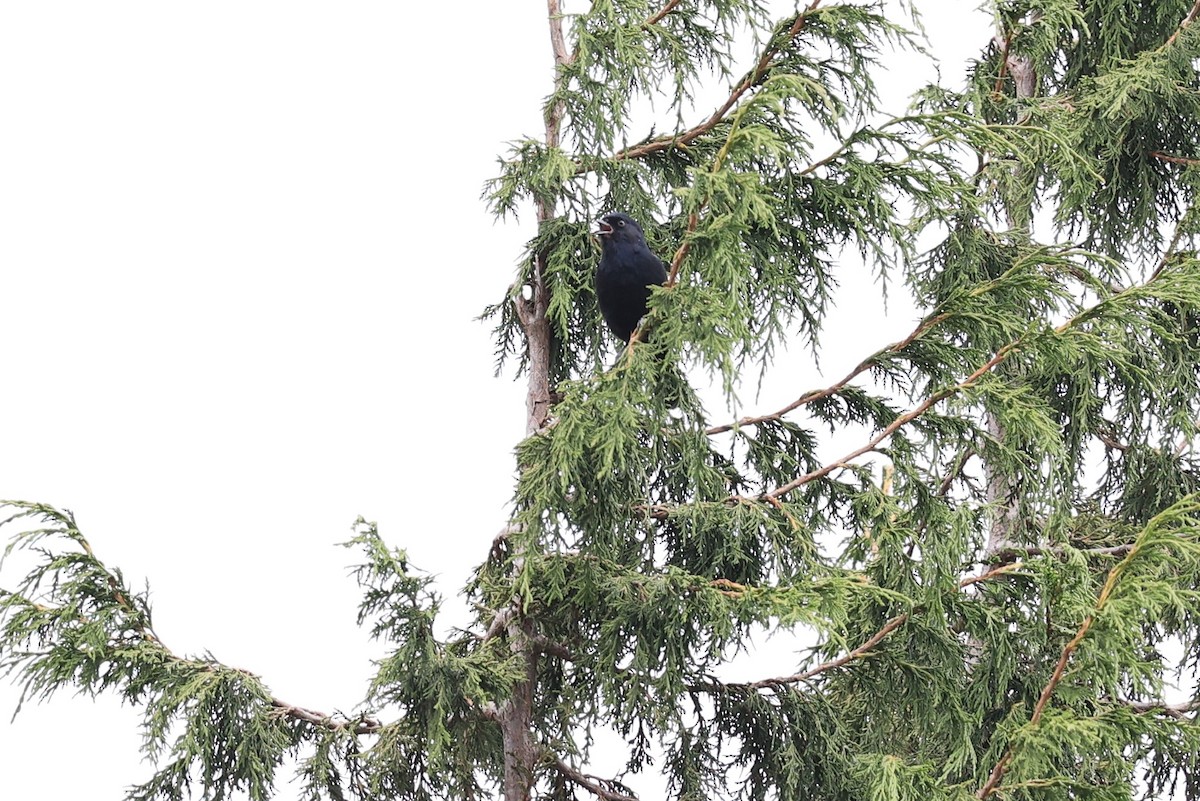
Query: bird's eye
{"points": [[621, 223]]}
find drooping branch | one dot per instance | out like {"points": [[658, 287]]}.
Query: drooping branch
{"points": [[362, 724], [601, 788]]}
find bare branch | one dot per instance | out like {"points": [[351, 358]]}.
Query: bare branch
{"points": [[359, 725], [1011, 555], [862, 651], [547, 646], [499, 623], [858, 653], [833, 389], [1158, 154]]}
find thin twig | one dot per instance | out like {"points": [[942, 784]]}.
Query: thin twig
{"points": [[833, 389], [1172, 710], [996, 90], [677, 259], [960, 464], [1110, 441], [1170, 251], [859, 652], [864, 649], [898, 423], [1158, 154]]}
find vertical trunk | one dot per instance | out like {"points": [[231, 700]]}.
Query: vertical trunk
{"points": [[1000, 494], [539, 340], [1000, 489], [515, 716], [516, 720]]}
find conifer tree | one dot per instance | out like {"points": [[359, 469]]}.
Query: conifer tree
{"points": [[1042, 215]]}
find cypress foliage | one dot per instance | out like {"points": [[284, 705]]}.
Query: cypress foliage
{"points": [[1043, 216]]}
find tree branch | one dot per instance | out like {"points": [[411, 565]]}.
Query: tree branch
{"points": [[1110, 583], [833, 389], [858, 653], [359, 725], [1188, 20], [593, 784], [1178, 711], [863, 650], [718, 116], [1011, 555], [662, 12], [899, 422], [1158, 154]]}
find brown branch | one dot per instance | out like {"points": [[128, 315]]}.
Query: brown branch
{"points": [[1158, 154], [593, 784], [863, 650], [359, 725], [547, 646], [718, 116], [1188, 20], [1110, 441], [1110, 583], [955, 472], [1010, 555], [859, 652], [730, 589], [898, 423], [663, 12], [1178, 711], [1170, 251], [991, 573], [906, 418], [677, 259], [996, 90], [833, 389]]}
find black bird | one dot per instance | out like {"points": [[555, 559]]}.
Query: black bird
{"points": [[626, 271]]}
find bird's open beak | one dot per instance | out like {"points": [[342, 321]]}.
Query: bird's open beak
{"points": [[605, 229]]}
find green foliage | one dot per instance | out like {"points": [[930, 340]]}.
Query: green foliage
{"points": [[1045, 229]]}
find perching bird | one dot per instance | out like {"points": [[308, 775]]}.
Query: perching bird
{"points": [[626, 271]]}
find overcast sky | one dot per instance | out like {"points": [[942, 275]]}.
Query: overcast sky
{"points": [[242, 249]]}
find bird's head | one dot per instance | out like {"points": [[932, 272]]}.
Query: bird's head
{"points": [[618, 227]]}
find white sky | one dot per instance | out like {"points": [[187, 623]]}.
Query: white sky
{"points": [[241, 250]]}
